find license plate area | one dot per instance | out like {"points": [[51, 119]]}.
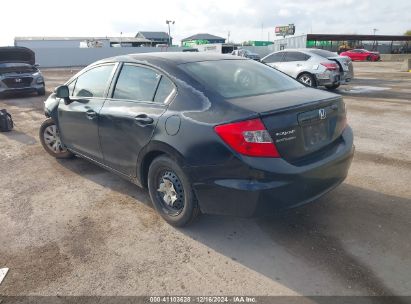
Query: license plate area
{"points": [[315, 135]]}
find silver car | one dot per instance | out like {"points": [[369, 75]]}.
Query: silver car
{"points": [[313, 67], [19, 73], [246, 54]]}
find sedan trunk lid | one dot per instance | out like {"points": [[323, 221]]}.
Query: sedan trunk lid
{"points": [[302, 123], [345, 64]]}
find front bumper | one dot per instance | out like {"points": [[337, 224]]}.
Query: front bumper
{"points": [[7, 85], [21, 90], [265, 186]]}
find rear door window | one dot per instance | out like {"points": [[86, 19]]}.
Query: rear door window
{"points": [[277, 57], [164, 91], [136, 83]]}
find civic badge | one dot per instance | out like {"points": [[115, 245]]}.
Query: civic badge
{"points": [[322, 113]]}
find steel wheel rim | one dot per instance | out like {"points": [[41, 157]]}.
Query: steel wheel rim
{"points": [[52, 140], [170, 193], [306, 79]]}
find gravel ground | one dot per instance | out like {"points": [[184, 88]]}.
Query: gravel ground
{"points": [[71, 228]]}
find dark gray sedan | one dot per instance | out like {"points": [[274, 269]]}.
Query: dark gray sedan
{"points": [[203, 132]]}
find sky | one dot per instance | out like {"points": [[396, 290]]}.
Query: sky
{"points": [[244, 19]]}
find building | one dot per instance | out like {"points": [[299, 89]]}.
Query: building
{"points": [[80, 42], [258, 43], [385, 44], [201, 39], [156, 37]]}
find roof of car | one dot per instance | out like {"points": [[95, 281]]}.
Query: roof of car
{"points": [[302, 50], [171, 57], [306, 50]]}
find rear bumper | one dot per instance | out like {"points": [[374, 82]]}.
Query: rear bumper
{"points": [[271, 184], [327, 78], [346, 77]]}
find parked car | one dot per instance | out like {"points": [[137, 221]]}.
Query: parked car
{"points": [[190, 50], [203, 132], [313, 67], [362, 55], [246, 54], [18, 71]]}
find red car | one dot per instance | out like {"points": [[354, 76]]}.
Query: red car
{"points": [[361, 55]]}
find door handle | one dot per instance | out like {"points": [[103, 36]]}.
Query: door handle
{"points": [[143, 120], [91, 114]]}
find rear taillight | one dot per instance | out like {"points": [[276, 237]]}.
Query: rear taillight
{"points": [[330, 66], [249, 138]]}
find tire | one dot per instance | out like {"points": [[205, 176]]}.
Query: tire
{"points": [[369, 58], [333, 86], [50, 140], [41, 92], [307, 79], [176, 204]]}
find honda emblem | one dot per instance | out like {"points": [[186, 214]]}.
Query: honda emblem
{"points": [[322, 113]]}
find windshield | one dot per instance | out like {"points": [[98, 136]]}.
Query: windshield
{"points": [[239, 78]]}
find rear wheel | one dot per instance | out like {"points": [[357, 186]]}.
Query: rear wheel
{"points": [[307, 79], [333, 86], [50, 140], [171, 192]]}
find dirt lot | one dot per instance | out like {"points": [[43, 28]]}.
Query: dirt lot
{"points": [[71, 228]]}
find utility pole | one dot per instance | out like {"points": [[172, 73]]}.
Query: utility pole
{"points": [[228, 37], [262, 30], [169, 37], [374, 45]]}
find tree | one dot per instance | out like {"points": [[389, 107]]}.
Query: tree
{"points": [[408, 33]]}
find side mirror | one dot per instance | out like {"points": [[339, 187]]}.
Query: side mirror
{"points": [[36, 65], [62, 92]]}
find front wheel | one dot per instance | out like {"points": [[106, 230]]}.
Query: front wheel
{"points": [[307, 79], [50, 140], [171, 192], [333, 86]]}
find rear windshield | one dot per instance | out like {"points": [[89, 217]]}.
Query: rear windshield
{"points": [[323, 53], [239, 78]]}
